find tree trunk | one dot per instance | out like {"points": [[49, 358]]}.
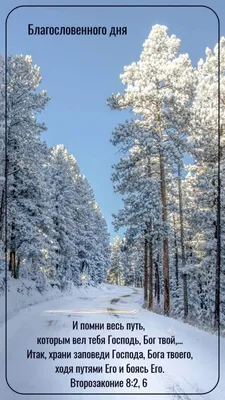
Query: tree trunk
{"points": [[146, 270], [189, 252], [185, 291], [176, 253], [13, 258], [218, 236], [165, 239], [2, 213], [157, 287], [150, 279], [10, 261], [18, 268], [158, 284], [181, 219], [185, 288], [217, 260]]}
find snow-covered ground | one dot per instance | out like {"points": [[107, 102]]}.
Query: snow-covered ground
{"points": [[23, 293], [106, 305]]}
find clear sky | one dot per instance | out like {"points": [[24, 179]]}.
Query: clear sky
{"points": [[80, 72]]}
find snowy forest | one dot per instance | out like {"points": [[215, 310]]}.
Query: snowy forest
{"points": [[167, 175], [56, 232]]}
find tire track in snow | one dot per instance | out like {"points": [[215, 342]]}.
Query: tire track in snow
{"points": [[112, 312]]}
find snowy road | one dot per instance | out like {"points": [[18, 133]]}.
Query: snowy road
{"points": [[54, 319]]}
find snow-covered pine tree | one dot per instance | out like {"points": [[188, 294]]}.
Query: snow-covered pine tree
{"points": [[136, 177], [25, 154], [101, 256], [136, 262], [205, 149], [115, 272], [64, 199], [158, 89], [80, 230]]}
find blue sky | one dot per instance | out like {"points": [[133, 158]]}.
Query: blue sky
{"points": [[80, 72]]}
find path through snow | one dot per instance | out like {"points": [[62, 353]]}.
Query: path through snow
{"points": [[113, 305]]}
